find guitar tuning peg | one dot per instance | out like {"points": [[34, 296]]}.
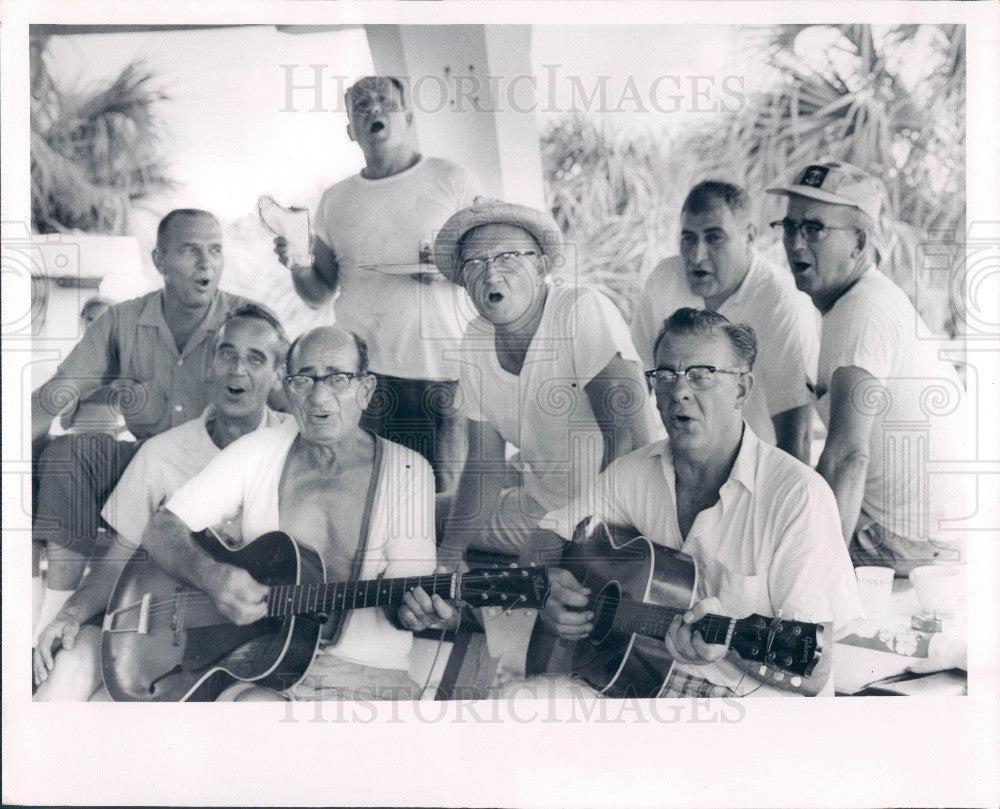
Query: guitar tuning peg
{"points": [[779, 676]]}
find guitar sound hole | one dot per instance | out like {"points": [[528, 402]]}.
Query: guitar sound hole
{"points": [[605, 604]]}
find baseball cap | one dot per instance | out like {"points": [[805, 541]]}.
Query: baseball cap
{"points": [[838, 184], [843, 184]]}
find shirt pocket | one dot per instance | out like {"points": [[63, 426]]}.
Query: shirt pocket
{"points": [[740, 593]]}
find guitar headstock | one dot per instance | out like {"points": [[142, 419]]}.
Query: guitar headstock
{"points": [[793, 646], [511, 587]]}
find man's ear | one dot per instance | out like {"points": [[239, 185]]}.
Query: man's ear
{"points": [[350, 132], [157, 258], [745, 385], [862, 241], [751, 231]]}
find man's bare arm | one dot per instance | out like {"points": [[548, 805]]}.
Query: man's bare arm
{"points": [[618, 397], [317, 283], [54, 397], [171, 545], [844, 462], [791, 428]]}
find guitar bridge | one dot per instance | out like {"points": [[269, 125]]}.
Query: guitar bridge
{"points": [[142, 620]]}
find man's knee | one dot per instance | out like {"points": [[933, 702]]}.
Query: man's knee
{"points": [[258, 694], [77, 671]]}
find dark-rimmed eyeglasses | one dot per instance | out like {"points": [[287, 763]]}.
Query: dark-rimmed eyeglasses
{"points": [[811, 230], [337, 382], [699, 377], [475, 265]]}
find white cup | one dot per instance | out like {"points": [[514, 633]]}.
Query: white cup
{"points": [[875, 589], [939, 588]]}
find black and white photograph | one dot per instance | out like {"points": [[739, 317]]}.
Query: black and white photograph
{"points": [[523, 403]]}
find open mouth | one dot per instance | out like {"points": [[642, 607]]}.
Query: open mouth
{"points": [[235, 390], [699, 273], [495, 297], [375, 127], [800, 266], [680, 418], [203, 283]]}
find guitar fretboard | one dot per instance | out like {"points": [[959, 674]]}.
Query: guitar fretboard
{"points": [[327, 597], [653, 620]]}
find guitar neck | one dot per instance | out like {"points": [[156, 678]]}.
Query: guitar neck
{"points": [[653, 621], [327, 597]]}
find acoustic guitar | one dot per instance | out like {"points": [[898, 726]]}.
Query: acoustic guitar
{"points": [[637, 589], [166, 642]]}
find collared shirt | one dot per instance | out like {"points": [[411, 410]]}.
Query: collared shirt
{"points": [[242, 484], [162, 465], [545, 410], [771, 544], [783, 319], [131, 349]]}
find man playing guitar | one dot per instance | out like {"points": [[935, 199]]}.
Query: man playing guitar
{"points": [[761, 526], [363, 504]]}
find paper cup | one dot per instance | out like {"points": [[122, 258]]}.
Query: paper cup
{"points": [[875, 589], [939, 588]]}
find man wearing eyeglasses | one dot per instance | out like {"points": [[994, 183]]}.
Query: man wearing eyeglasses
{"points": [[720, 269], [890, 404], [371, 259], [364, 504], [548, 367], [760, 525], [245, 367]]}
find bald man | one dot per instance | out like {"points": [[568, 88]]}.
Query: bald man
{"points": [[307, 479]]}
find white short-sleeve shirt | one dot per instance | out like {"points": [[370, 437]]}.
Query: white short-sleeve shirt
{"points": [[920, 414], [409, 326], [161, 466], [242, 481], [783, 319], [544, 411], [771, 545]]}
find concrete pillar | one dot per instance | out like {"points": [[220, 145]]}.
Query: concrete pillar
{"points": [[473, 97]]}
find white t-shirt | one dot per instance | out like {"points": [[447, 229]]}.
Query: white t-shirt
{"points": [[771, 545], [243, 480], [785, 321], [544, 411], [161, 466], [408, 325], [920, 414]]}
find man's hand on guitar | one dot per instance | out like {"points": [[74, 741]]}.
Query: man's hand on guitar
{"points": [[239, 596], [61, 632], [686, 644], [566, 610], [420, 611]]}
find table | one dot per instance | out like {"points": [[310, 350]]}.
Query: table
{"points": [[856, 668]]}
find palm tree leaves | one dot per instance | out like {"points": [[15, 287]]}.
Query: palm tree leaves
{"points": [[93, 153], [891, 100]]}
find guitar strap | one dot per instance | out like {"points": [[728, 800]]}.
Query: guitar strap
{"points": [[341, 617]]}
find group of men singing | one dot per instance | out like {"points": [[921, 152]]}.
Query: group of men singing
{"points": [[489, 402]]}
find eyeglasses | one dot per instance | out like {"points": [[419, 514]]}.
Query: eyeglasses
{"points": [[230, 357], [811, 230], [337, 382], [474, 265], [699, 377]]}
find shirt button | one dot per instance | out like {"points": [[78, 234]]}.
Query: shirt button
{"points": [[180, 362], [179, 408]]}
